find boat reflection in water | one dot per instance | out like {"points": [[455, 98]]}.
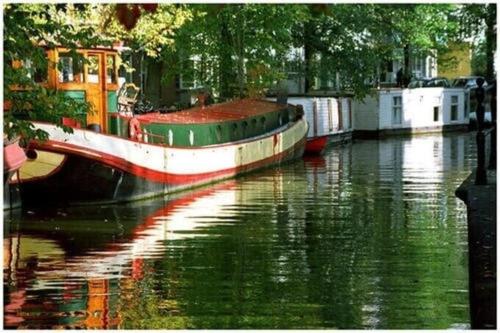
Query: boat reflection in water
{"points": [[85, 266]]}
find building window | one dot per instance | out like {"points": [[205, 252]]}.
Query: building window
{"points": [[454, 108], [191, 74], [436, 113], [397, 109]]}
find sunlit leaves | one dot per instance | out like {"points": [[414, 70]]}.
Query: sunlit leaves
{"points": [[28, 29]]}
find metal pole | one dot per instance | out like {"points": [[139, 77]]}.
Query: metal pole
{"points": [[481, 177], [493, 147]]}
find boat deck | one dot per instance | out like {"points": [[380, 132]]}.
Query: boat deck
{"points": [[234, 110]]}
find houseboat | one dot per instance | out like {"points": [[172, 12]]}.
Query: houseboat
{"points": [[329, 119], [115, 156], [392, 111]]}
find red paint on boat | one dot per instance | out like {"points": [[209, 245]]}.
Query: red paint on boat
{"points": [[316, 145], [13, 156]]}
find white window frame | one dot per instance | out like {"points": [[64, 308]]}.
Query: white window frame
{"points": [[397, 109]]}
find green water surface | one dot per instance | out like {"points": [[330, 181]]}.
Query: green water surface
{"points": [[368, 236]]}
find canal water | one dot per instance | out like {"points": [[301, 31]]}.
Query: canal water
{"points": [[368, 236]]}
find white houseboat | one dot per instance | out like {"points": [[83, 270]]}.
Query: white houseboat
{"points": [[400, 111], [330, 120]]}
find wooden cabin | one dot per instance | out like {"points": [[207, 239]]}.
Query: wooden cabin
{"points": [[92, 76]]}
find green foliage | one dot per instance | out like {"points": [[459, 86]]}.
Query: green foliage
{"points": [[244, 49], [347, 39], [478, 61], [153, 32], [478, 21], [236, 48]]}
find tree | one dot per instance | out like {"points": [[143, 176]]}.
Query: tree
{"points": [[346, 39], [28, 31], [237, 48], [478, 21], [352, 40]]}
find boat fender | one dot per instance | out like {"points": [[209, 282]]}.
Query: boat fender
{"points": [[134, 129]]}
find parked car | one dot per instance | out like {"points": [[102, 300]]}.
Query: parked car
{"points": [[467, 82], [429, 83]]}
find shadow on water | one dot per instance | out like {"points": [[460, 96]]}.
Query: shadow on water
{"points": [[369, 235]]}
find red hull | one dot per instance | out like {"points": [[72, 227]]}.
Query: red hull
{"points": [[316, 145], [13, 156]]}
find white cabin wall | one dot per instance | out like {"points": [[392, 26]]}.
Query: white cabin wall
{"points": [[327, 114], [418, 107]]}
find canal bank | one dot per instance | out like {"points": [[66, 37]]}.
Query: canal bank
{"points": [[481, 223]]}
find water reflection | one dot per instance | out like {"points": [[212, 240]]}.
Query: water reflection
{"points": [[368, 236]]}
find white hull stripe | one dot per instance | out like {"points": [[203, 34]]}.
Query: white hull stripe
{"points": [[179, 161]]}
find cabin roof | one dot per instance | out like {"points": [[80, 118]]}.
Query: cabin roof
{"points": [[234, 110]]}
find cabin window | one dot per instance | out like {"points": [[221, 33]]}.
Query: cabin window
{"points": [[254, 123], [110, 69], [93, 69], [38, 73], [70, 68], [436, 113], [218, 133], [397, 110], [454, 108], [235, 129], [244, 126], [263, 122]]}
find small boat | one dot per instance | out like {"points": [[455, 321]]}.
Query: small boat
{"points": [[316, 145], [13, 159]]}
